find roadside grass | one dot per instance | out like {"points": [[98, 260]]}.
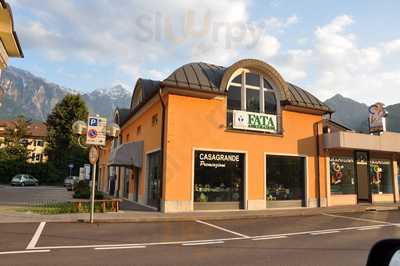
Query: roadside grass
{"points": [[63, 208]]}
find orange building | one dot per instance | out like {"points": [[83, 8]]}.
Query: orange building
{"points": [[214, 138]]}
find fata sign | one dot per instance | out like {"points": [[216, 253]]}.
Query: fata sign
{"points": [[255, 121]]}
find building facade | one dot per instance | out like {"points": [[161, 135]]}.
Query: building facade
{"points": [[35, 139], [9, 45], [241, 137]]}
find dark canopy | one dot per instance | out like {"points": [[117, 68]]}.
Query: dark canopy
{"points": [[128, 154]]}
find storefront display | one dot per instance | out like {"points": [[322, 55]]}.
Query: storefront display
{"points": [[218, 177], [285, 178], [381, 176], [342, 175]]}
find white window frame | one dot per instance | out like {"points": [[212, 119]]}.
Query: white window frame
{"points": [[260, 88]]}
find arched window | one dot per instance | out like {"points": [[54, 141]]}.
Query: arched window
{"points": [[252, 92]]}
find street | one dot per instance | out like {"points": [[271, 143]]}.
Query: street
{"points": [[327, 239]]}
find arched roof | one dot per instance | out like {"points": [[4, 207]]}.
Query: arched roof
{"points": [[213, 78], [121, 115], [144, 88]]}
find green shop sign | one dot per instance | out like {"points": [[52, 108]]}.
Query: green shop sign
{"points": [[255, 121]]}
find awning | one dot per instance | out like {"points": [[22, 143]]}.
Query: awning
{"points": [[387, 142], [128, 154]]}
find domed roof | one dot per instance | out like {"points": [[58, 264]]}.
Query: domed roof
{"points": [[213, 78]]}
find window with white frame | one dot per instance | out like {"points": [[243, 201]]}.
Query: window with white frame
{"points": [[252, 92]]}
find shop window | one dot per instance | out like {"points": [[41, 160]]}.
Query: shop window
{"points": [[218, 177], [381, 176], [342, 175], [285, 178]]}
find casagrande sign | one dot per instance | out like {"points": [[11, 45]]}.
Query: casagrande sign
{"points": [[255, 121]]}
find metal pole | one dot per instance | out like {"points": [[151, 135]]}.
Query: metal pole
{"points": [[93, 193]]}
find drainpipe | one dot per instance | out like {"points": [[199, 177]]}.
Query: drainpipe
{"points": [[162, 147], [316, 127]]}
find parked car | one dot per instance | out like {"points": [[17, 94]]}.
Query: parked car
{"points": [[70, 182], [24, 180]]}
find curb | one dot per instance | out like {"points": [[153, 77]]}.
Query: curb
{"points": [[202, 216]]}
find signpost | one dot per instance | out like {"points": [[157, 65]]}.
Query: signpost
{"points": [[96, 131], [93, 157], [95, 136]]}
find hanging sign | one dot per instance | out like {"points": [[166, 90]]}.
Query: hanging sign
{"points": [[255, 121], [96, 131]]}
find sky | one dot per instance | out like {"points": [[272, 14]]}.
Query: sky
{"points": [[326, 47]]}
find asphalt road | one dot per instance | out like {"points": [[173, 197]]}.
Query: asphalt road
{"points": [[32, 195], [305, 240]]}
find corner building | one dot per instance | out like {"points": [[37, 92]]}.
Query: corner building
{"points": [[239, 137]]}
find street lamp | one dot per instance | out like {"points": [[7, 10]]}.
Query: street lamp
{"points": [[96, 132]]}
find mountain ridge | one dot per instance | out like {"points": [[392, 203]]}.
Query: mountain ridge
{"points": [[23, 93]]}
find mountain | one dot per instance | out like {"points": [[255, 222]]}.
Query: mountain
{"points": [[355, 115], [22, 93]]}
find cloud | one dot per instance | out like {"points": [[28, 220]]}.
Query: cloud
{"points": [[392, 46]]}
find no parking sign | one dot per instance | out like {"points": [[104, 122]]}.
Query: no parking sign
{"points": [[96, 132]]}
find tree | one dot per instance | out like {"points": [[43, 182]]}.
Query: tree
{"points": [[63, 147], [15, 139]]}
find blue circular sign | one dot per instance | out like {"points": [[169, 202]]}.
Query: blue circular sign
{"points": [[92, 133]]}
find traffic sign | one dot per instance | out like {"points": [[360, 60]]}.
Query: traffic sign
{"points": [[96, 132], [93, 155]]}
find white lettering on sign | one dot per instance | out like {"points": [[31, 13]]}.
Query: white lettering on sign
{"points": [[219, 157], [217, 160]]}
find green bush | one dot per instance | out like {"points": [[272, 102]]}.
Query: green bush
{"points": [[82, 191]]}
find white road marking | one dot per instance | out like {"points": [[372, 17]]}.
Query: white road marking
{"points": [[113, 248], [223, 229], [356, 219], [208, 241], [24, 251], [317, 231], [203, 243], [370, 228], [35, 238], [269, 238], [141, 244], [324, 232]]}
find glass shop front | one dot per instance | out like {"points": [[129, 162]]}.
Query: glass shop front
{"points": [[218, 180], [285, 181], [361, 175]]}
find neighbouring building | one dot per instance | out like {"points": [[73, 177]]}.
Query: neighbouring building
{"points": [[35, 139], [240, 137], [9, 45]]}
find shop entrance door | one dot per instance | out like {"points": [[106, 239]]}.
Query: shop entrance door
{"points": [[363, 191], [153, 185]]}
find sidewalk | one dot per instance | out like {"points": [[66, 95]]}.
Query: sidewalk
{"points": [[10, 215]]}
